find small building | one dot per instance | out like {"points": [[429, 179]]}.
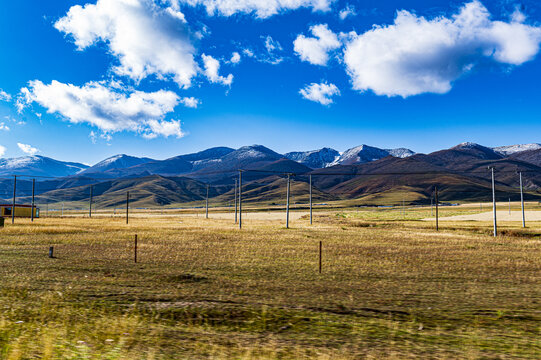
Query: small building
{"points": [[20, 210]]}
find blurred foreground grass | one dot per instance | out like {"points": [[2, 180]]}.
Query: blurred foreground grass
{"points": [[390, 288]]}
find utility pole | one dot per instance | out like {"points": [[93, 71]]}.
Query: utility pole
{"points": [[90, 205], [522, 201], [14, 192], [127, 207], [509, 206], [207, 206], [494, 203], [236, 184], [310, 199], [33, 206], [437, 209], [240, 199], [287, 202]]}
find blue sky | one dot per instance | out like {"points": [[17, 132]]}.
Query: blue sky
{"points": [[82, 83]]}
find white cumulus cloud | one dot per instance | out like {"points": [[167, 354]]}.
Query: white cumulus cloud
{"points": [[261, 8], [346, 12], [2, 150], [321, 93], [4, 127], [27, 149], [110, 109], [235, 58], [190, 102], [415, 55], [147, 39], [212, 68], [4, 96], [316, 49]]}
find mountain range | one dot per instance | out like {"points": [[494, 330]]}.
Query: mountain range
{"points": [[367, 173]]}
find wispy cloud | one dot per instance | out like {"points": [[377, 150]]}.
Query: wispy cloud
{"points": [[4, 96]]}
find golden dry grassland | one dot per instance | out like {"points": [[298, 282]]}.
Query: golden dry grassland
{"points": [[391, 287]]}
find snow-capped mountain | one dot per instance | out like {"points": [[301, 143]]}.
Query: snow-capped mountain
{"points": [[37, 165], [364, 153], [120, 161], [315, 159], [513, 149], [244, 157]]}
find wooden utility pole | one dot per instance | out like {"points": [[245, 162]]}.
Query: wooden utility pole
{"points": [[240, 199], [207, 204], [14, 192], [127, 207], [310, 199], [494, 203], [236, 204], [90, 203]]}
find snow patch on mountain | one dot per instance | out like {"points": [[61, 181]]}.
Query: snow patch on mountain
{"points": [[513, 149], [400, 152]]}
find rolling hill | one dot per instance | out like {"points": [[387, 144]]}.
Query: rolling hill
{"points": [[369, 174]]}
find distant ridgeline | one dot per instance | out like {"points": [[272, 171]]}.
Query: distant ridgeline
{"points": [[373, 176]]}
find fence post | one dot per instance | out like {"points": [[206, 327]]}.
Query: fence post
{"points": [[320, 254], [51, 252], [135, 250]]}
